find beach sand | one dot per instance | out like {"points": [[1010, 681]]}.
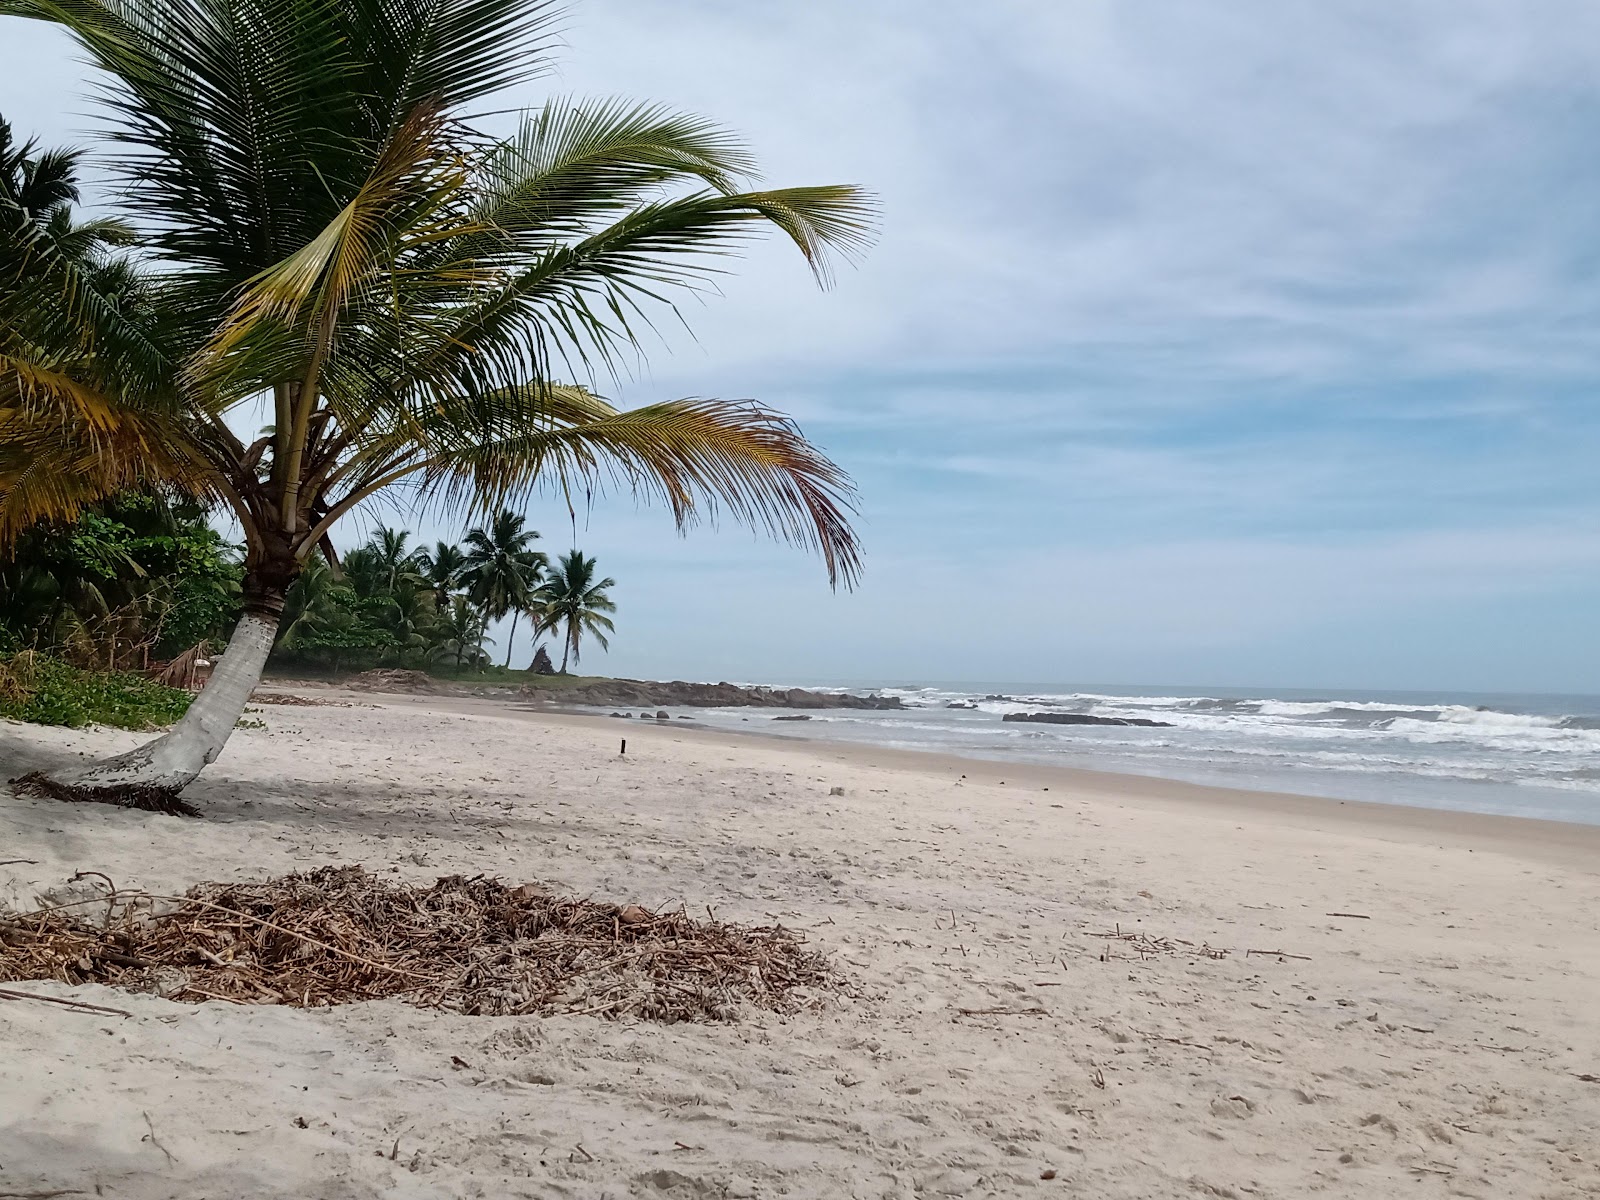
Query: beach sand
{"points": [[1434, 1048]]}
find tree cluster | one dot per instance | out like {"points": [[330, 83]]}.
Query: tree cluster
{"points": [[137, 578], [387, 604]]}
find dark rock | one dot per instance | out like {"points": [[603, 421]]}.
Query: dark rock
{"points": [[797, 717], [663, 715], [541, 662], [1085, 719], [642, 693], [960, 704]]}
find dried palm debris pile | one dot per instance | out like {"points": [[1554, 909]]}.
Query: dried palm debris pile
{"points": [[473, 946], [291, 700]]}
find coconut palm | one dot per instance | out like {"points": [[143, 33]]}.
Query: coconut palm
{"points": [[501, 570], [397, 566], [442, 568], [310, 606], [572, 597], [459, 630], [322, 231]]}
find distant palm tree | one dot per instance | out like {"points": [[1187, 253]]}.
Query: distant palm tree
{"points": [[310, 604], [571, 596], [501, 570], [411, 619], [442, 567], [459, 629], [397, 567]]}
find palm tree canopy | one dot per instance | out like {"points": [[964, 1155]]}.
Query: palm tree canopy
{"points": [[319, 226], [442, 567], [573, 597], [501, 571], [396, 564]]}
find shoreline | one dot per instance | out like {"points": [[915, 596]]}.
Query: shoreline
{"points": [[1567, 843]]}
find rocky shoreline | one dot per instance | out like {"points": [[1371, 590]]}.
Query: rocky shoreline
{"points": [[646, 693], [1084, 719]]}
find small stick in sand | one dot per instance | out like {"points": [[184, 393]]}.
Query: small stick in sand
{"points": [[154, 1141], [1352, 916], [78, 1005]]}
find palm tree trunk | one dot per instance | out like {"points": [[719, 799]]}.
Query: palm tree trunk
{"points": [[512, 636], [171, 762], [566, 649]]}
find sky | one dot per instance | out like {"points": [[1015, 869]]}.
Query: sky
{"points": [[1249, 344]]}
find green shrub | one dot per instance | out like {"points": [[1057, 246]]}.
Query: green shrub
{"points": [[46, 692]]}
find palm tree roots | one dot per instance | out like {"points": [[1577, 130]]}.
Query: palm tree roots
{"points": [[143, 797]]}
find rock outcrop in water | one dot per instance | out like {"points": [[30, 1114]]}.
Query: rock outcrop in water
{"points": [[1084, 719], [646, 693]]}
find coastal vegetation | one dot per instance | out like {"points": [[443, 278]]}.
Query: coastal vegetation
{"points": [[46, 691], [103, 595], [327, 285], [386, 605], [136, 578]]}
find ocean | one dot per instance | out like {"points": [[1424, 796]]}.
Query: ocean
{"points": [[1519, 755]]}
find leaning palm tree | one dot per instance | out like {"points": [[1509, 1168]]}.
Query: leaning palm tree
{"points": [[572, 598], [322, 232], [501, 569]]}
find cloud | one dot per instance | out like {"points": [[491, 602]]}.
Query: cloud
{"points": [[1219, 337]]}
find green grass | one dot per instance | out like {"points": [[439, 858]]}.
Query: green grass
{"points": [[47, 692]]}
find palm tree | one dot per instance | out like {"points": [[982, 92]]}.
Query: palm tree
{"points": [[501, 571], [310, 605], [460, 628], [397, 566], [442, 567], [320, 225], [411, 619], [571, 596]]}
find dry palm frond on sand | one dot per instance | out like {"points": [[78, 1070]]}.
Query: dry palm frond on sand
{"points": [[473, 946]]}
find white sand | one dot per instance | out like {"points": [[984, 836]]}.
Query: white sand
{"points": [[1433, 1050]]}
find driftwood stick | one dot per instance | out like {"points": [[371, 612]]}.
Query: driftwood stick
{"points": [[1280, 954], [78, 1005]]}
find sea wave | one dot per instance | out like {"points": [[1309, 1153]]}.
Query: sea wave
{"points": [[1475, 752]]}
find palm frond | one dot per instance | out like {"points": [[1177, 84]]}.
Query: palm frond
{"points": [[699, 457], [578, 305]]}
